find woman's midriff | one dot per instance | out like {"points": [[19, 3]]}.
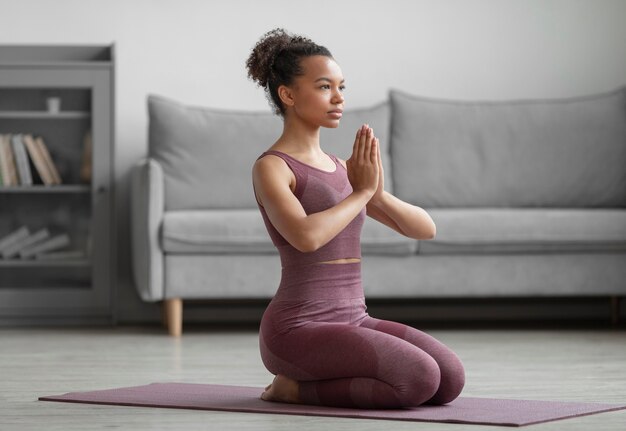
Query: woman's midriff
{"points": [[347, 260], [315, 293]]}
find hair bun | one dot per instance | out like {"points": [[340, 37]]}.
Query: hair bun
{"points": [[261, 59], [275, 61]]}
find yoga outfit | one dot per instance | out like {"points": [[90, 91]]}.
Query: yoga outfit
{"points": [[316, 329]]}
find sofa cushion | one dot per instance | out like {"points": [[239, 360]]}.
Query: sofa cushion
{"points": [[495, 230], [567, 152], [243, 231], [215, 231], [207, 154]]}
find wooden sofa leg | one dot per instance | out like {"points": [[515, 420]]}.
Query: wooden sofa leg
{"points": [[173, 316]]}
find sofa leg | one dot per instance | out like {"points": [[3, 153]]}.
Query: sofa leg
{"points": [[173, 316]]}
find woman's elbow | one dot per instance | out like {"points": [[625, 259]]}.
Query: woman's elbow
{"points": [[429, 233], [306, 243], [306, 247], [432, 233]]}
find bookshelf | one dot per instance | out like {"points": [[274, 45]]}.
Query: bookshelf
{"points": [[63, 95]]}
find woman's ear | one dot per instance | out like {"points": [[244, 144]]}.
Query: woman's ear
{"points": [[286, 95]]}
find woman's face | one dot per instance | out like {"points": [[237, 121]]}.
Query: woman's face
{"points": [[318, 94]]}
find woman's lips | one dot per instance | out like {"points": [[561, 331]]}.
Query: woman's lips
{"points": [[337, 113]]}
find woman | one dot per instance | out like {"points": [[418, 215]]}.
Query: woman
{"points": [[316, 335]]}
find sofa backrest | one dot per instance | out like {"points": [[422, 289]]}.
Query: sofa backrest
{"points": [[207, 154], [568, 152]]}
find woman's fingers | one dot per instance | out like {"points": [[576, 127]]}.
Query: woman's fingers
{"points": [[374, 152], [358, 143], [367, 153], [362, 143], [364, 164], [357, 140]]}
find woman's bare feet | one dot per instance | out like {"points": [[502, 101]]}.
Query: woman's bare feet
{"points": [[282, 390]]}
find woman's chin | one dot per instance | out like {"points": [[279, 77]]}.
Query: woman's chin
{"points": [[333, 124]]}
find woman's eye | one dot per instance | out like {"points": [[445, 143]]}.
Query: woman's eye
{"points": [[325, 87], [342, 88]]}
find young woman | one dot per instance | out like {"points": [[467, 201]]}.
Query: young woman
{"points": [[316, 335]]}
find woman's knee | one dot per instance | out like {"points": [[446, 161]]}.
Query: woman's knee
{"points": [[422, 385], [452, 381]]}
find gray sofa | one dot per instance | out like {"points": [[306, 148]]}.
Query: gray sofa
{"points": [[528, 196]]}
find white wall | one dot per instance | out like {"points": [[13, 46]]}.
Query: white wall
{"points": [[194, 51]]}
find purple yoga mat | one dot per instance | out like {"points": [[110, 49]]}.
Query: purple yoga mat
{"points": [[486, 411]]}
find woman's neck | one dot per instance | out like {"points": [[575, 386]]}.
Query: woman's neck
{"points": [[299, 137]]}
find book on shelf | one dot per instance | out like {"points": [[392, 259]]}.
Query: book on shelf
{"points": [[54, 243], [21, 160], [7, 161], [25, 159], [16, 247], [13, 237], [48, 160], [38, 160]]}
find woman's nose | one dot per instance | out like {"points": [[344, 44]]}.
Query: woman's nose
{"points": [[338, 97]]}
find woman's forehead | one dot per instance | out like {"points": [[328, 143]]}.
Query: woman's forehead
{"points": [[320, 66]]}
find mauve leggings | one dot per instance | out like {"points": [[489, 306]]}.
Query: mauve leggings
{"points": [[316, 330]]}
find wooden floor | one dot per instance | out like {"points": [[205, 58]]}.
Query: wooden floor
{"points": [[568, 365]]}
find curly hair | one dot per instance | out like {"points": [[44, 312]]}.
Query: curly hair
{"points": [[275, 61]]}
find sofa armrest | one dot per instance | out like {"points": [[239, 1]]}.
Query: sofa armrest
{"points": [[147, 207]]}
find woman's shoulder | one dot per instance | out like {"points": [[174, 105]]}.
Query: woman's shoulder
{"points": [[269, 160], [270, 164], [340, 160]]}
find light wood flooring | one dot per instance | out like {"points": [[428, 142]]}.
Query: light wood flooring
{"points": [[568, 365]]}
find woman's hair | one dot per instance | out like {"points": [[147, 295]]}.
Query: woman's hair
{"points": [[275, 61]]}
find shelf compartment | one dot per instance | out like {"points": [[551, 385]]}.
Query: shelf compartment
{"points": [[30, 103], [68, 213]]}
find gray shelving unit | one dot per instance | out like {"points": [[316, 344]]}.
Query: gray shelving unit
{"points": [[78, 290]]}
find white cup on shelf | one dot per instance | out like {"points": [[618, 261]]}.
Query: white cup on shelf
{"points": [[54, 104]]}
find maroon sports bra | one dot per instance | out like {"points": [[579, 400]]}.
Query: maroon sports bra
{"points": [[317, 190]]}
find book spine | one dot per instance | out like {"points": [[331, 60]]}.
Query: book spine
{"points": [[46, 155], [21, 160], [13, 237], [38, 160], [4, 163], [32, 239], [54, 243], [9, 162]]}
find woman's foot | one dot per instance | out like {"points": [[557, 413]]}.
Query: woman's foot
{"points": [[282, 390]]}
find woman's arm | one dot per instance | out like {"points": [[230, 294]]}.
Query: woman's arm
{"points": [[406, 219], [272, 182]]}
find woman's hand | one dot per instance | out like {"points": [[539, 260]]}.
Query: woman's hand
{"points": [[381, 176], [364, 164]]}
